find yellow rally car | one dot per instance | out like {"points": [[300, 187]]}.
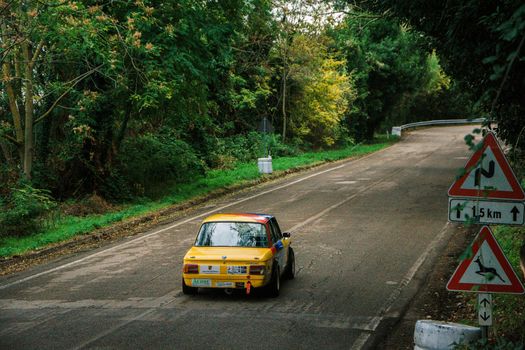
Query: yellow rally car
{"points": [[239, 251]]}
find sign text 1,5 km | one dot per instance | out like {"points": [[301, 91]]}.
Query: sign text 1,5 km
{"points": [[481, 211]]}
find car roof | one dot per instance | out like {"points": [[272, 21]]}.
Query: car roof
{"points": [[239, 217]]}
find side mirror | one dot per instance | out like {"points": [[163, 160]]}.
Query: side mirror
{"points": [[286, 234]]}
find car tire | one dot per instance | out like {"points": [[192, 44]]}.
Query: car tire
{"points": [[187, 289], [273, 288], [290, 266]]}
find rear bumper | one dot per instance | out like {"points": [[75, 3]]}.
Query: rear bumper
{"points": [[236, 282]]}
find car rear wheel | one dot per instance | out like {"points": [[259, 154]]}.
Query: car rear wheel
{"points": [[290, 266], [273, 288], [187, 289]]}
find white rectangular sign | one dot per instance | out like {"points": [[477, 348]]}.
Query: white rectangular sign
{"points": [[486, 211], [210, 269], [485, 309]]}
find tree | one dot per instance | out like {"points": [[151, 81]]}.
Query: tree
{"points": [[240, 97], [320, 92], [99, 73], [36, 37], [296, 17], [389, 65], [482, 46], [21, 48]]}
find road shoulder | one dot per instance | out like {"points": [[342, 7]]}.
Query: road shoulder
{"points": [[432, 301]]}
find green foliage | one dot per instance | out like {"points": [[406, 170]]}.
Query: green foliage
{"points": [[498, 344], [482, 47], [24, 210], [509, 309], [69, 226], [390, 67], [229, 151], [134, 97], [321, 94], [150, 160]]}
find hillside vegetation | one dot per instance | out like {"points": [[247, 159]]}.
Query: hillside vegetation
{"points": [[127, 100]]}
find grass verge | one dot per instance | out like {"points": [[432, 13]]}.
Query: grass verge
{"points": [[509, 310], [64, 228]]}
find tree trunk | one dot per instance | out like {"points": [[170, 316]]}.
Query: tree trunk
{"points": [[284, 105], [123, 128], [28, 125], [13, 106]]}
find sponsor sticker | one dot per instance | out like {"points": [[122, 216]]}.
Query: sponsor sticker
{"points": [[210, 269], [200, 282], [237, 270]]}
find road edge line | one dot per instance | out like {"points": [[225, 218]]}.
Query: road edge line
{"points": [[363, 339]]}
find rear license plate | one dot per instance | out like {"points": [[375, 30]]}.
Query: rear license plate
{"points": [[237, 270], [200, 282], [224, 284]]}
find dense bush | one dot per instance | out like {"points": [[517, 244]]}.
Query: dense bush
{"points": [[150, 160], [246, 148], [24, 210]]}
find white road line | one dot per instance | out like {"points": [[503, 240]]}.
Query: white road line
{"points": [[360, 341], [332, 207], [363, 338], [164, 300], [113, 329], [61, 267]]}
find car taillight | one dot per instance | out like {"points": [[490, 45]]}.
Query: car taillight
{"points": [[257, 270], [191, 268]]}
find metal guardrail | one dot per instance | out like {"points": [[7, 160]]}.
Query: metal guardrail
{"points": [[396, 130]]}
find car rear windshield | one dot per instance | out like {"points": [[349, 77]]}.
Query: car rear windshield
{"points": [[232, 234]]}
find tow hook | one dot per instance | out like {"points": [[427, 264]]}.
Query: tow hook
{"points": [[248, 287]]}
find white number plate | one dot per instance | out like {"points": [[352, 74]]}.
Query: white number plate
{"points": [[200, 282]]}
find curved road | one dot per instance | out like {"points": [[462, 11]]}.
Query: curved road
{"points": [[364, 231]]}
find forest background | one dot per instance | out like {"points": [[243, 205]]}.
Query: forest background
{"points": [[129, 100]]}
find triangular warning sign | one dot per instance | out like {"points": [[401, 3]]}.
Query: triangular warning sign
{"points": [[488, 175], [487, 271]]}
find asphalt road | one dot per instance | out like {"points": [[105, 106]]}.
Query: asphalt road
{"points": [[365, 233]]}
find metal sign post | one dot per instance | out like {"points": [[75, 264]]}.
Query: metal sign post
{"points": [[265, 127], [485, 313]]}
